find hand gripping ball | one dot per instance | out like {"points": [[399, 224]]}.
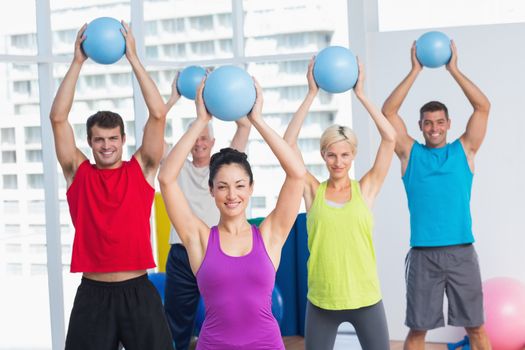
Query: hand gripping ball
{"points": [[104, 42], [433, 49], [335, 69], [229, 93]]}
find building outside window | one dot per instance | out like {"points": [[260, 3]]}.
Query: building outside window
{"points": [[10, 181], [167, 27], [34, 156], [8, 157], [8, 136], [32, 135]]}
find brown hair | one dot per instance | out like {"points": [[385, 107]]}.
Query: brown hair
{"points": [[432, 106], [105, 120]]}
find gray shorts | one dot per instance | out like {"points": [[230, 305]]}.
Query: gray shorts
{"points": [[434, 271]]}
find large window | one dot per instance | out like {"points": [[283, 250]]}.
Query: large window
{"points": [[188, 30], [23, 274], [18, 28], [175, 33], [304, 26]]}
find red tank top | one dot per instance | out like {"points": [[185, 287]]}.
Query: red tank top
{"points": [[110, 209]]}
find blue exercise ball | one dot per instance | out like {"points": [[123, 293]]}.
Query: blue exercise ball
{"points": [[229, 93], [335, 69], [277, 305], [104, 41], [433, 49], [199, 318], [158, 279], [189, 80]]}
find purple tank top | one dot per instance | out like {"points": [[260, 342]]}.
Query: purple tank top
{"points": [[237, 293]]}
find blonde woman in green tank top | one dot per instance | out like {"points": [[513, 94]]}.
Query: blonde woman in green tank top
{"points": [[342, 277]]}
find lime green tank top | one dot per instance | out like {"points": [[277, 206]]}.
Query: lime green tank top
{"points": [[342, 271]]}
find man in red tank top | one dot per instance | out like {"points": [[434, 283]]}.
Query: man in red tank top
{"points": [[110, 203]]}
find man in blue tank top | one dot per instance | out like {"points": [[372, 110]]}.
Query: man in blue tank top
{"points": [[438, 181]]}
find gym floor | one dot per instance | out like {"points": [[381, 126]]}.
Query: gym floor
{"points": [[297, 343]]}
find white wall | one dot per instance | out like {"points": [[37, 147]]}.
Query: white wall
{"points": [[492, 57]]}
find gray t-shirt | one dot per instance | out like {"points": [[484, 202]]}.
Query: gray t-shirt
{"points": [[194, 184]]}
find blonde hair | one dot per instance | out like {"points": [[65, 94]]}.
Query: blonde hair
{"points": [[336, 133]]}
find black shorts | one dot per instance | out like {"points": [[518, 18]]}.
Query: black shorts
{"points": [[108, 313]]}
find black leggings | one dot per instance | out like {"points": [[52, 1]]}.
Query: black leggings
{"points": [[181, 297], [369, 323]]}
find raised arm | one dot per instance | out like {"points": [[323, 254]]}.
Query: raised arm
{"points": [[174, 95], [477, 124], [240, 139], [150, 152], [294, 127], [372, 181], [278, 223], [393, 103], [68, 154], [190, 228]]}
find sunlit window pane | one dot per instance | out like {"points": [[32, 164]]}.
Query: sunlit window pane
{"points": [[22, 220], [182, 30], [18, 27], [293, 26]]}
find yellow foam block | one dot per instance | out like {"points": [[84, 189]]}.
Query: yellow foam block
{"points": [[163, 232]]}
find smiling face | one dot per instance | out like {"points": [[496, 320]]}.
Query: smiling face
{"points": [[434, 126], [107, 145], [231, 189], [338, 158], [201, 150]]}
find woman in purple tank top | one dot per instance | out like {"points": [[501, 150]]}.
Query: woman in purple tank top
{"points": [[234, 262]]}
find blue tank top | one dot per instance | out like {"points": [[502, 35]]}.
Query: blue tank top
{"points": [[438, 183]]}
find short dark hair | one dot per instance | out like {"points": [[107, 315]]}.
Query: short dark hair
{"points": [[228, 156], [432, 106], [105, 120]]}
